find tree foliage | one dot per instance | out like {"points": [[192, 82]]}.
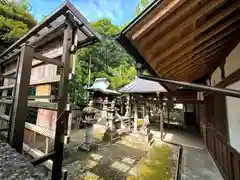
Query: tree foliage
{"points": [[108, 59], [141, 6], [15, 21]]}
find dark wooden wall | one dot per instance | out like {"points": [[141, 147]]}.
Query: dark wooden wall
{"points": [[217, 137]]}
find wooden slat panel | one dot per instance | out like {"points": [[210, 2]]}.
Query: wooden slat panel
{"points": [[156, 57], [188, 8], [40, 130], [208, 51], [160, 16], [189, 51]]}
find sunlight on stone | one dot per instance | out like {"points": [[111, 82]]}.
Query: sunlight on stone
{"points": [[168, 137], [96, 157], [129, 160], [133, 172], [127, 144], [90, 176], [91, 164], [120, 166]]}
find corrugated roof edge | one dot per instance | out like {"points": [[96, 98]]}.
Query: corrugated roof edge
{"points": [[57, 12]]}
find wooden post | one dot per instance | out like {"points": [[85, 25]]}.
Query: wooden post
{"points": [[62, 113], [143, 109], [19, 108], [129, 110], [161, 119], [135, 116], [168, 114], [46, 144], [121, 109]]}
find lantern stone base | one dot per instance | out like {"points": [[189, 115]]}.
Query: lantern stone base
{"points": [[88, 144], [87, 147], [144, 135], [111, 136]]}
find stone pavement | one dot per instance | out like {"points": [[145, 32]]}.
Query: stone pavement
{"points": [[197, 165], [196, 162], [110, 161], [115, 161]]}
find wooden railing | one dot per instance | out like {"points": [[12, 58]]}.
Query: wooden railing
{"points": [[225, 156]]}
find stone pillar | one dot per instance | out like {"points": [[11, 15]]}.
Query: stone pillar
{"points": [[111, 126], [127, 106], [105, 108], [128, 110], [121, 109], [111, 133], [135, 116], [89, 134]]}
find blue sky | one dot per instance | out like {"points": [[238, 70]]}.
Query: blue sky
{"points": [[119, 11]]}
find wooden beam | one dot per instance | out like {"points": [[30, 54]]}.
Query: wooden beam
{"points": [[188, 74], [204, 63], [194, 60], [175, 31], [187, 52], [160, 16], [167, 24], [45, 59], [46, 80], [6, 87], [36, 82], [19, 108], [4, 117], [196, 73], [40, 130], [155, 58], [34, 64], [35, 104]]}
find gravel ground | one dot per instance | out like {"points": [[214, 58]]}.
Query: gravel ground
{"points": [[15, 166]]}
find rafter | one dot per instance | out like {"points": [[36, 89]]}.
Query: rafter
{"points": [[175, 31], [211, 51], [192, 35], [188, 50], [160, 16], [168, 24]]}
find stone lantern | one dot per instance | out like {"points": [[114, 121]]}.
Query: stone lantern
{"points": [[89, 118], [111, 133]]}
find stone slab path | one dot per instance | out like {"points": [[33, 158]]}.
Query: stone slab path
{"points": [[197, 165], [109, 162]]}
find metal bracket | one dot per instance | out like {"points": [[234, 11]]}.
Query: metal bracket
{"points": [[65, 139]]}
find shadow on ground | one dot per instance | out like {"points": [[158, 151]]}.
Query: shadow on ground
{"points": [[115, 161]]}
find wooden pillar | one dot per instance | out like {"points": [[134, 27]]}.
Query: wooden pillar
{"points": [[168, 114], [20, 108], [144, 110], [62, 112], [121, 109], [161, 118], [129, 110], [135, 116]]}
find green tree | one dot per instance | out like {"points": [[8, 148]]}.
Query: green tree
{"points": [[141, 6], [15, 21], [108, 59]]}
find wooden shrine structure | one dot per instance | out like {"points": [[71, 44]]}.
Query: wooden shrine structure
{"points": [[195, 44], [43, 60]]}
